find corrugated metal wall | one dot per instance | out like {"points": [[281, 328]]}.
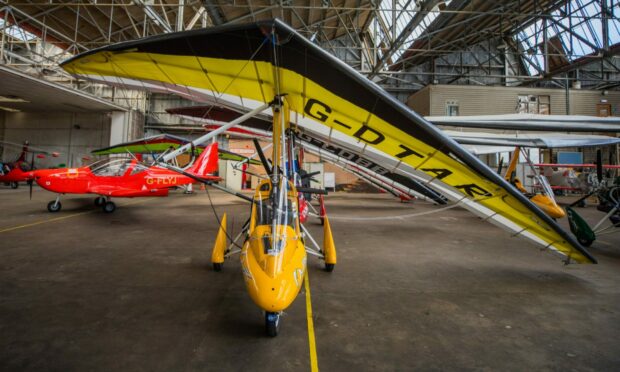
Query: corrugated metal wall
{"points": [[74, 135], [485, 100]]}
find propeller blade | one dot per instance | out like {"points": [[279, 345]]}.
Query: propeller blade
{"points": [[30, 184], [309, 175], [262, 157]]}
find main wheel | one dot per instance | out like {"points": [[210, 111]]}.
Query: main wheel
{"points": [[272, 323], [109, 207], [217, 266], [329, 267], [54, 206], [99, 201], [14, 185]]}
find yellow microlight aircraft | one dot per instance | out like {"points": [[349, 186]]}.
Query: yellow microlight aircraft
{"points": [[273, 255], [274, 252]]}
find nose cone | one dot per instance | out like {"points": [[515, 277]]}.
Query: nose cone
{"points": [[43, 177], [549, 206]]}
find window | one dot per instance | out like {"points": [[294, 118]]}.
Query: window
{"points": [[113, 167], [533, 104], [452, 108], [138, 168]]}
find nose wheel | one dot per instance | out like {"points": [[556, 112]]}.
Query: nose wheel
{"points": [[54, 206], [272, 323]]}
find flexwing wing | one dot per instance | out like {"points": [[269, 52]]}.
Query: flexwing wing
{"points": [[245, 66], [536, 140], [161, 143], [532, 122]]}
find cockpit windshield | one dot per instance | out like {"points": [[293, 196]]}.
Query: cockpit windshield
{"points": [[286, 214], [111, 167]]}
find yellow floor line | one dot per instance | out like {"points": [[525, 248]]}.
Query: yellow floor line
{"points": [[57, 218], [314, 365]]}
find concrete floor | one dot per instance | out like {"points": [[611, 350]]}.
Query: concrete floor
{"points": [[82, 290]]}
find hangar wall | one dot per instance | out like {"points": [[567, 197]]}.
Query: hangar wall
{"points": [[486, 100], [74, 135]]}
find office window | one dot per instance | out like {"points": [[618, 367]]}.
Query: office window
{"points": [[452, 108], [533, 104]]}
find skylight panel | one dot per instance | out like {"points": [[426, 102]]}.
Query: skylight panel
{"points": [[396, 16], [16, 32], [585, 22]]}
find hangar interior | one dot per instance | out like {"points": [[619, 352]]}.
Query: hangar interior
{"points": [[83, 293]]}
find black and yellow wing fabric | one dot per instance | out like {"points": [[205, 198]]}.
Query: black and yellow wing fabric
{"points": [[244, 66]]}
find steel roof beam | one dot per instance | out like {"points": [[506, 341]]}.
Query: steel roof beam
{"points": [[214, 12], [425, 7], [154, 16]]}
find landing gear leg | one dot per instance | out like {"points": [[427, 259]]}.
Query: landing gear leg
{"points": [[99, 201], [54, 205], [272, 323]]}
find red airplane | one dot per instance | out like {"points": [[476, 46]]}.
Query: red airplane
{"points": [[20, 170], [123, 178]]}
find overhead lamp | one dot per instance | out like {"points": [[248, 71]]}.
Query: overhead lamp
{"points": [[9, 109], [12, 98]]}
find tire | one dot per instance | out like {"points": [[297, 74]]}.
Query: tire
{"points": [[272, 324], [329, 267], [99, 201], [54, 207], [585, 242], [217, 266], [109, 207], [14, 185]]}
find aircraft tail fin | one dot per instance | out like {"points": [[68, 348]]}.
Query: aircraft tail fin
{"points": [[207, 162]]}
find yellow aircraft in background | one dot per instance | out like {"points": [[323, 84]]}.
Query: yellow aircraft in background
{"points": [[544, 198]]}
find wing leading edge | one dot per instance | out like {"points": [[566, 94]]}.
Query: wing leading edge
{"points": [[243, 66]]}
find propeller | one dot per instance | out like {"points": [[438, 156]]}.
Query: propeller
{"points": [[310, 175], [262, 157]]}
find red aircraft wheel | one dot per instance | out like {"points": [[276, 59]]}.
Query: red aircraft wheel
{"points": [[54, 206], [109, 207], [14, 185]]}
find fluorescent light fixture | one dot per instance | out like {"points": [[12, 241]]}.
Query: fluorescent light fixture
{"points": [[11, 98], [9, 109]]}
